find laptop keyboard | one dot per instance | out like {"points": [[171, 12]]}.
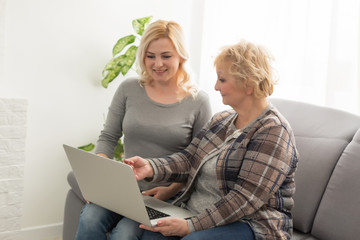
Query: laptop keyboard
{"points": [[154, 214]]}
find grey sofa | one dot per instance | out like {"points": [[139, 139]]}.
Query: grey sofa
{"points": [[327, 198]]}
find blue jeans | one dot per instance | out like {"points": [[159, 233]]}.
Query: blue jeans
{"points": [[236, 230], [95, 222]]}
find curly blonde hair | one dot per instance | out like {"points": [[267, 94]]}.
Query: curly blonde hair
{"points": [[251, 65], [173, 31]]}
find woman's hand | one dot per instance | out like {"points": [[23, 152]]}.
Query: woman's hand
{"points": [[170, 227], [103, 155], [164, 193], [161, 193], [142, 168]]}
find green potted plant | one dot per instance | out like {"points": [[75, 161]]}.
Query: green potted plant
{"points": [[121, 63], [124, 56]]}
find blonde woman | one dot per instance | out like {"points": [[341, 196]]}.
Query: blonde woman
{"points": [[239, 171], [159, 113]]}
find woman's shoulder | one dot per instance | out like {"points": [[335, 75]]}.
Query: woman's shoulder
{"points": [[202, 94], [129, 85], [130, 82], [273, 119], [222, 116], [200, 97]]}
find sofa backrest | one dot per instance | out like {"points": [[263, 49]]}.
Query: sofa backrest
{"points": [[338, 216], [321, 135]]}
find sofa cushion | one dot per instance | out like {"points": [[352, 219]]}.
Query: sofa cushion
{"points": [[318, 157], [302, 236], [321, 135], [318, 122], [74, 185], [338, 216], [73, 207]]}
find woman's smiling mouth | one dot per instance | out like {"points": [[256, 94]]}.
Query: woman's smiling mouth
{"points": [[160, 71]]}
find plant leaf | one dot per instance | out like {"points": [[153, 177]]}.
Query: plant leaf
{"points": [[113, 63], [111, 75], [109, 66], [139, 24], [123, 63], [119, 151], [130, 56], [87, 147], [113, 67], [121, 43]]}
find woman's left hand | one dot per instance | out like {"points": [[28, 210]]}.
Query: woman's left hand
{"points": [[162, 193], [170, 227]]}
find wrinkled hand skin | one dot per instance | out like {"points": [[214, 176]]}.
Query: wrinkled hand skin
{"points": [[170, 227]]}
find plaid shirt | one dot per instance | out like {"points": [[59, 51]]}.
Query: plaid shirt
{"points": [[255, 173]]}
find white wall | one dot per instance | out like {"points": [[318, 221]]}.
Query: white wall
{"points": [[53, 55], [12, 162], [316, 45], [2, 37]]}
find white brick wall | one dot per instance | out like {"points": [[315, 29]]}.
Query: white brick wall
{"points": [[12, 161]]}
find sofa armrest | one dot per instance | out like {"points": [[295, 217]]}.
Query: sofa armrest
{"points": [[74, 185]]}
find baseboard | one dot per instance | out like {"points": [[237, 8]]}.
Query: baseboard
{"points": [[44, 232]]}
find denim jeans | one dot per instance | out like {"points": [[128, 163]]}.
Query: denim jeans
{"points": [[95, 222], [236, 230]]}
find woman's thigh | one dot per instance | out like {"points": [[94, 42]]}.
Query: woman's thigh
{"points": [[148, 235], [236, 230], [96, 221]]}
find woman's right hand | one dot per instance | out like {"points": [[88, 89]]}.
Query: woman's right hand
{"points": [[142, 168]]}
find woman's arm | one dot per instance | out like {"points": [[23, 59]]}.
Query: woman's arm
{"points": [[112, 131], [176, 167]]}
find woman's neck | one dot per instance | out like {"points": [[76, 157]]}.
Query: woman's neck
{"points": [[250, 111], [163, 92]]}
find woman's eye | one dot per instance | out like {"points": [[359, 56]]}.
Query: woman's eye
{"points": [[166, 56], [221, 80], [150, 56]]}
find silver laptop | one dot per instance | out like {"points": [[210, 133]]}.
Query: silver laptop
{"points": [[112, 185]]}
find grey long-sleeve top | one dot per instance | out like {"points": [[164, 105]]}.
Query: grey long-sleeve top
{"points": [[151, 129]]}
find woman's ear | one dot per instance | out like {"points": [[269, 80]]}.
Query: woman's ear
{"points": [[249, 89]]}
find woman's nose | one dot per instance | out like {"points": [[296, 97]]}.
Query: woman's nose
{"points": [[158, 62], [216, 87]]}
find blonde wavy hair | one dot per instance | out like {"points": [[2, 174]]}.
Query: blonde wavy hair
{"points": [[250, 64], [173, 31]]}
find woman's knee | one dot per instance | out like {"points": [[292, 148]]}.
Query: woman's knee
{"points": [[93, 215], [126, 229]]}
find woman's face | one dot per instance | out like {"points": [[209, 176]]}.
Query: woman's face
{"points": [[162, 60], [232, 91]]}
